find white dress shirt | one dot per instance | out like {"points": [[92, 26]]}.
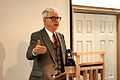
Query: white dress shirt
{"points": [[50, 34]]}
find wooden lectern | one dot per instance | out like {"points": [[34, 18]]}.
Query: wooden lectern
{"points": [[69, 74], [89, 68]]}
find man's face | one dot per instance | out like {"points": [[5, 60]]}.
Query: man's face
{"points": [[52, 21]]}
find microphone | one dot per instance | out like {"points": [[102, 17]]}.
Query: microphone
{"points": [[69, 60]]}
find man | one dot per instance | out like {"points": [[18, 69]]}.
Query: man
{"points": [[47, 48]]}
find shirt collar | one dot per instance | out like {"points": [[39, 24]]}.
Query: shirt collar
{"points": [[50, 34]]}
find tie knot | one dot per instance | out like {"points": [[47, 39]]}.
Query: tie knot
{"points": [[54, 35]]}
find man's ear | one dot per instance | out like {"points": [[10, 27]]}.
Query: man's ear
{"points": [[44, 20]]}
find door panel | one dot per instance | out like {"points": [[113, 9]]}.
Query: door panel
{"points": [[95, 32], [83, 32]]}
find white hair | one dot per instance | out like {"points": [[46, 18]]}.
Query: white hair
{"points": [[49, 10]]}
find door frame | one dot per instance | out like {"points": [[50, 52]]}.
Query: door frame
{"points": [[99, 10]]}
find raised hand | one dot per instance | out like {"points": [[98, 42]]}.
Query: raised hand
{"points": [[39, 49]]}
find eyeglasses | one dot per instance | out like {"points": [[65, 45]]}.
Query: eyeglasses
{"points": [[53, 18]]}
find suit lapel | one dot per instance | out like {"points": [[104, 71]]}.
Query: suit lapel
{"points": [[48, 45], [62, 47]]}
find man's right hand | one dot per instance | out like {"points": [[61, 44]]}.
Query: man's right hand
{"points": [[39, 49]]}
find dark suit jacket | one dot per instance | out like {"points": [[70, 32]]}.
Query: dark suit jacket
{"points": [[44, 64]]}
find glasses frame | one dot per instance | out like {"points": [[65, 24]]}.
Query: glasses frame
{"points": [[53, 18]]}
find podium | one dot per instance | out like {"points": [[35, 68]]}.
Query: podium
{"points": [[61, 76], [69, 74], [91, 68]]}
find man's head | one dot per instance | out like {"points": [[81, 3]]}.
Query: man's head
{"points": [[51, 18]]}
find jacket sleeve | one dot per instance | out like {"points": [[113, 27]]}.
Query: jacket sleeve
{"points": [[33, 43]]}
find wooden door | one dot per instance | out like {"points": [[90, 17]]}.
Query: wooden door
{"points": [[95, 32]]}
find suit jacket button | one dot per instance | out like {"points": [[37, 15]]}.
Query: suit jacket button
{"points": [[53, 76]]}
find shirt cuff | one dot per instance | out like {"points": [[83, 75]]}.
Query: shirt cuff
{"points": [[34, 53]]}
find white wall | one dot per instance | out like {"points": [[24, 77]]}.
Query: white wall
{"points": [[99, 3], [18, 19]]}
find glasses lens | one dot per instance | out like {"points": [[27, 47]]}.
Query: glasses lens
{"points": [[54, 18]]}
